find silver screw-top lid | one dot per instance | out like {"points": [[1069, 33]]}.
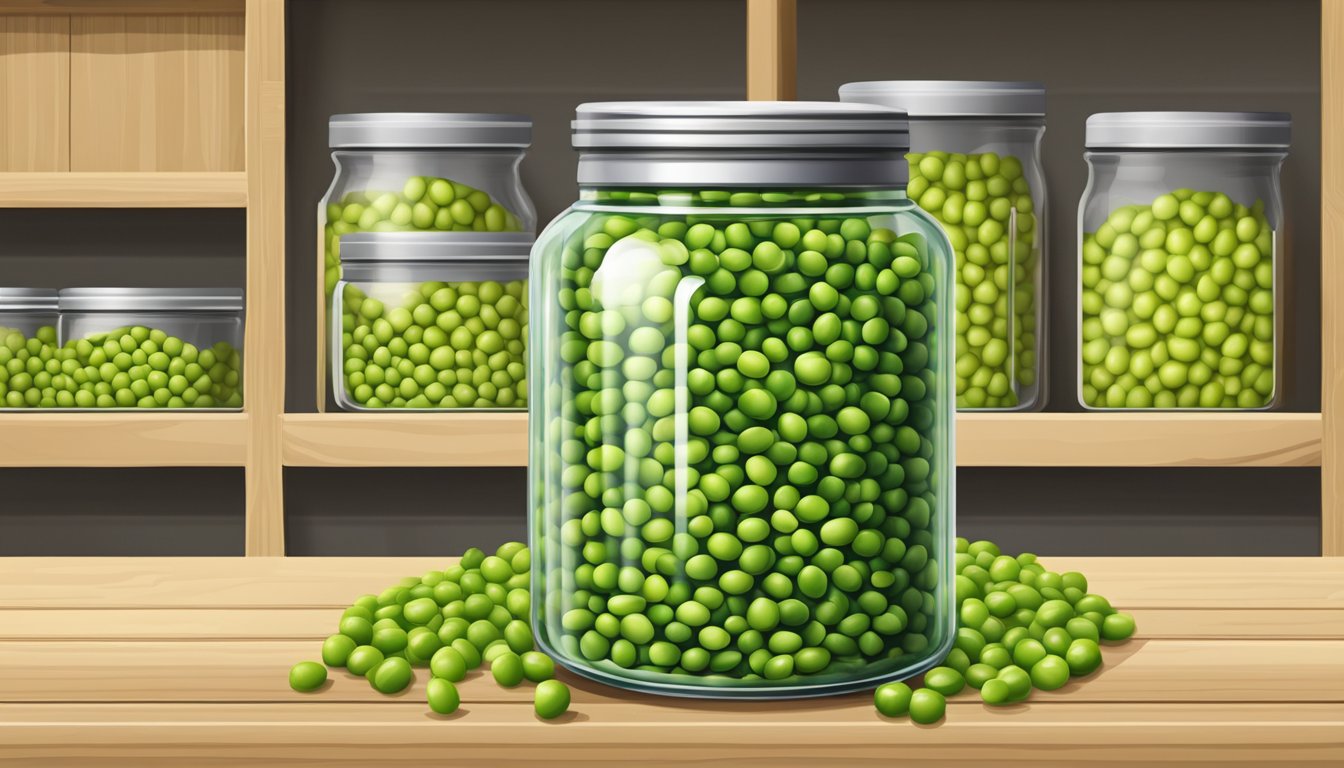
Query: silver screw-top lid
{"points": [[740, 143], [1189, 130], [27, 299], [379, 247], [429, 130], [951, 98], [151, 300]]}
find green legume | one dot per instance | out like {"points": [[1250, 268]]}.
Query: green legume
{"points": [[507, 669], [551, 699], [307, 676], [927, 706], [391, 676], [363, 659], [442, 696], [892, 699]]}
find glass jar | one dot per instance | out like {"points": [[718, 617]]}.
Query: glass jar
{"points": [[741, 460], [27, 329], [155, 347], [431, 322], [975, 166], [1180, 261]]}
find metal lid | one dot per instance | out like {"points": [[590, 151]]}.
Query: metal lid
{"points": [[27, 299], [1189, 130], [429, 130], [740, 143], [151, 299], [952, 98], [383, 247]]}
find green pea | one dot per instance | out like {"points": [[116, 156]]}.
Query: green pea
{"points": [[893, 699], [391, 676], [927, 706], [551, 699], [307, 676], [363, 659], [507, 669], [945, 680], [1117, 627], [448, 664], [537, 666], [442, 696], [337, 649]]}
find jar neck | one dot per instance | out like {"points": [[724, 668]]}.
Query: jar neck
{"points": [[741, 197], [742, 169]]}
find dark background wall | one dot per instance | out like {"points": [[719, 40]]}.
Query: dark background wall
{"points": [[542, 57]]}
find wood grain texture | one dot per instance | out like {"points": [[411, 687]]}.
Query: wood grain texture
{"points": [[34, 93], [265, 338], [120, 189], [1139, 440], [123, 439], [1228, 583], [320, 380], [1332, 277], [156, 93], [406, 440], [122, 7], [772, 49]]}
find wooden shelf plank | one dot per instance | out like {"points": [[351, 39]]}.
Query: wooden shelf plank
{"points": [[123, 439], [1139, 440], [750, 736], [405, 440], [97, 189], [122, 7], [983, 440]]}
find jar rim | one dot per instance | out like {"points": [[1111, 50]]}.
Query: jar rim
{"points": [[951, 98], [435, 247], [1189, 130], [104, 299], [27, 299], [428, 130]]}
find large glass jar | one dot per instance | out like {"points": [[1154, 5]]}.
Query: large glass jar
{"points": [[1180, 248], [430, 322], [152, 347], [741, 463], [421, 172], [27, 332], [975, 166]]}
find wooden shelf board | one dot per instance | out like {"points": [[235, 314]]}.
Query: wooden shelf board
{"points": [[983, 439], [38, 439], [163, 661], [405, 440], [122, 7], [150, 189]]}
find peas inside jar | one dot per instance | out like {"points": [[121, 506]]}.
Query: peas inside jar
{"points": [[740, 419]]}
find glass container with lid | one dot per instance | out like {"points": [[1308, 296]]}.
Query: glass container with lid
{"points": [[1181, 260], [432, 322], [975, 166], [741, 404]]}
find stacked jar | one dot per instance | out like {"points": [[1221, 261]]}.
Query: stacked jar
{"points": [[432, 321], [1180, 260], [121, 348], [975, 167], [438, 175], [741, 455]]}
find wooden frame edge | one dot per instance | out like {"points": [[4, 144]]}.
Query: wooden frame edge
{"points": [[772, 50], [1332, 277]]}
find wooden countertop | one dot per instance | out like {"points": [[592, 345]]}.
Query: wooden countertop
{"points": [[183, 661]]}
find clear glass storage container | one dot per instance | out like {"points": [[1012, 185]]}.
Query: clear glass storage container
{"points": [[431, 322], [1181, 260], [154, 347], [975, 165], [27, 330], [741, 468]]}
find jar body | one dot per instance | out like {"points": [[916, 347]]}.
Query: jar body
{"points": [[1180, 271], [982, 179], [172, 359], [741, 457], [26, 337], [431, 336], [27, 323]]}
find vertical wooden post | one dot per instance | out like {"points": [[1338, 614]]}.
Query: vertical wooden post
{"points": [[1332, 277], [264, 346], [772, 50]]}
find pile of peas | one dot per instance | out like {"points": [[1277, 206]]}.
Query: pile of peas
{"points": [[134, 367], [809, 541], [450, 621], [1019, 627], [425, 204], [448, 345], [1178, 305], [974, 197]]}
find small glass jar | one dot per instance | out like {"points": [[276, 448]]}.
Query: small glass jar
{"points": [[431, 322], [27, 330], [741, 411], [155, 347], [975, 166], [1181, 261]]}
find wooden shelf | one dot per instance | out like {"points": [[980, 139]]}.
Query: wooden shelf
{"points": [[405, 440], [100, 439], [1139, 440], [151, 189], [121, 7], [170, 661], [983, 440]]}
